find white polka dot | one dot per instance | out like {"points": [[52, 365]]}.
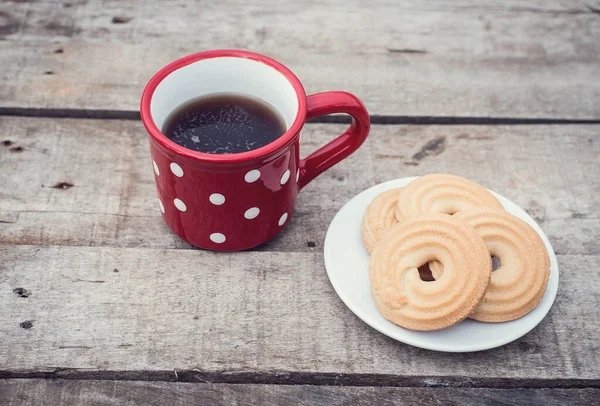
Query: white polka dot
{"points": [[252, 176], [180, 205], [162, 208], [282, 219], [285, 177], [217, 237], [217, 198], [176, 169], [156, 168], [251, 213], [297, 175]]}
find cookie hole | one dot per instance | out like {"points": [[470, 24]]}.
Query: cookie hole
{"points": [[495, 263], [425, 273]]}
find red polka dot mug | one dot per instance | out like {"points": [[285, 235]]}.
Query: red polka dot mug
{"points": [[229, 202]]}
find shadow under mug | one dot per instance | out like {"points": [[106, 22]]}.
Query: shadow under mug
{"points": [[230, 202]]}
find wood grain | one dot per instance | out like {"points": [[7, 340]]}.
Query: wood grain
{"points": [[544, 169], [129, 309], [104, 393], [485, 58], [93, 286]]}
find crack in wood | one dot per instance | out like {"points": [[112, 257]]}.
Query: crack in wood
{"points": [[79, 212], [121, 20], [388, 156], [303, 378], [89, 281], [589, 10], [406, 51], [332, 119], [593, 9], [63, 185]]}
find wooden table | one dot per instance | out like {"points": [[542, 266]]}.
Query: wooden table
{"points": [[101, 303]]}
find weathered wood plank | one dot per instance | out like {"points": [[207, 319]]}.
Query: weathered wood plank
{"points": [[251, 311], [466, 59], [113, 201], [103, 393]]}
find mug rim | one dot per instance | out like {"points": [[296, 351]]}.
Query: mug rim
{"points": [[279, 144]]}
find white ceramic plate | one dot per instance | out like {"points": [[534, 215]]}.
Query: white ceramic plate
{"points": [[347, 261]]}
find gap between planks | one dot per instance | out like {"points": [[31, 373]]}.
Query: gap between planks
{"points": [[304, 378], [334, 119]]}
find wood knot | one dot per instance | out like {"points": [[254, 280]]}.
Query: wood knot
{"points": [[433, 147], [27, 324], [528, 347], [21, 292]]}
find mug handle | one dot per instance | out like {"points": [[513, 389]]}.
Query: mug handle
{"points": [[321, 104]]}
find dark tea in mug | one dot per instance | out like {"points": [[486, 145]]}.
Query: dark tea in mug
{"points": [[224, 123]]}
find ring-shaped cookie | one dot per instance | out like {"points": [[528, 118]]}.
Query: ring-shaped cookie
{"points": [[400, 294], [519, 283], [442, 193], [379, 218]]}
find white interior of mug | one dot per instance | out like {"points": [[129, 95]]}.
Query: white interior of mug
{"points": [[224, 75]]}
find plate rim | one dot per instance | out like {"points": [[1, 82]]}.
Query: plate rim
{"points": [[383, 186]]}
